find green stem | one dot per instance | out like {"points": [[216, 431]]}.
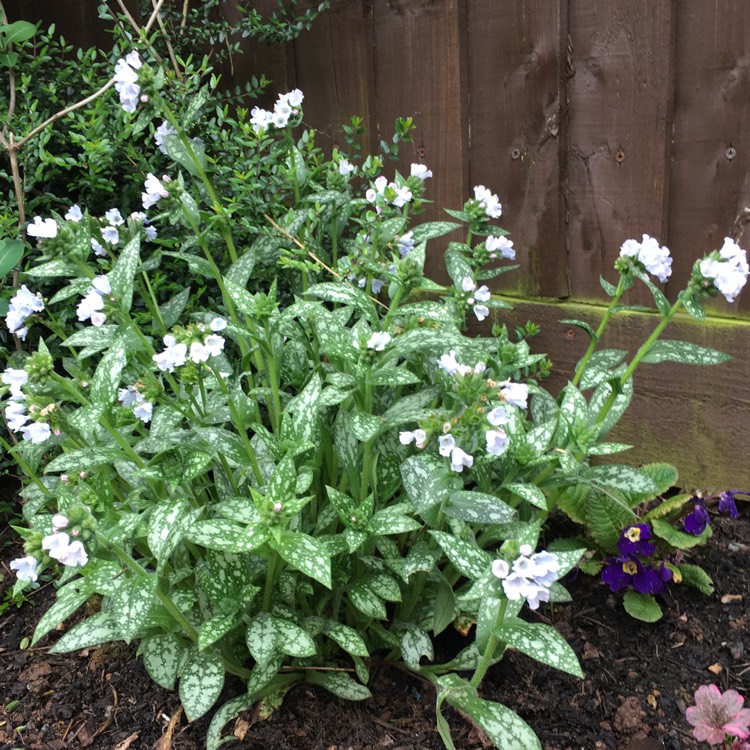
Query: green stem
{"points": [[599, 331], [18, 458], [489, 652]]}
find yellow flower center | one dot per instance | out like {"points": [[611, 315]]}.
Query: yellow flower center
{"points": [[630, 568], [634, 534]]}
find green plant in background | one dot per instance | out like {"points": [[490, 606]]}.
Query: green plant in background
{"points": [[275, 478]]}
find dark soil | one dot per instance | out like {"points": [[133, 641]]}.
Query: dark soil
{"points": [[639, 679]]}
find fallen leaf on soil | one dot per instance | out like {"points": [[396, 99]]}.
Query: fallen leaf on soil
{"points": [[165, 743], [127, 742], [731, 598], [241, 728], [716, 668], [590, 651]]}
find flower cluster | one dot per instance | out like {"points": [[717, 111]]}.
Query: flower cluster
{"points": [[497, 439], [59, 546], [459, 458], [42, 228], [126, 81], [388, 193], [500, 247], [287, 105], [15, 411], [627, 569], [656, 260], [716, 715], [154, 190], [474, 295], [452, 366], [488, 201], [92, 305], [131, 398], [727, 271], [202, 347], [529, 577], [22, 305], [696, 521]]}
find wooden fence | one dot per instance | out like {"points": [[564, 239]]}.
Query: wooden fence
{"points": [[595, 121]]}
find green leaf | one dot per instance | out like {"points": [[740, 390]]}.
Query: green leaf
{"points": [[641, 606], [665, 350], [617, 477], [456, 264], [347, 638], [693, 305], [392, 376], [301, 421], [339, 684], [162, 654], [367, 601], [415, 644], [220, 534], [610, 289], [467, 558], [201, 682], [293, 640], [131, 604], [214, 629], [608, 449], [92, 337], [170, 311], [17, 32], [662, 304], [228, 711], [306, 554], [393, 521], [11, 252], [432, 230], [176, 149], [122, 275], [541, 642], [69, 599], [426, 481], [530, 493], [54, 268], [668, 506], [606, 518], [106, 379], [695, 576], [580, 324], [345, 295], [365, 426], [196, 265], [477, 507], [165, 527], [621, 403], [99, 628], [444, 608], [84, 459], [679, 539], [261, 638]]}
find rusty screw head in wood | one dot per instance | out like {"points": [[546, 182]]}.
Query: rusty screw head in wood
{"points": [[731, 153], [421, 152], [620, 156], [515, 153]]}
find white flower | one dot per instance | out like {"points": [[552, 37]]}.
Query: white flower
{"points": [[497, 442], [56, 544], [150, 233], [482, 294], [74, 213], [376, 285], [144, 410], [459, 459], [500, 568], [42, 228], [110, 235], [15, 415], [59, 521], [175, 355], [488, 201], [98, 248], [25, 567], [126, 81], [91, 306], [16, 379], [728, 275], [531, 577], [36, 432], [154, 191], [515, 394], [403, 195], [467, 284], [379, 340], [379, 190], [502, 245], [446, 444], [26, 301], [114, 217], [75, 554], [279, 119], [260, 119], [498, 416], [544, 567], [481, 311], [421, 171], [163, 130], [217, 324], [345, 167], [654, 259], [419, 437], [214, 344], [406, 243], [199, 352], [129, 396], [293, 98]]}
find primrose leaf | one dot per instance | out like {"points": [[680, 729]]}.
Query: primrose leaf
{"points": [[642, 606]]}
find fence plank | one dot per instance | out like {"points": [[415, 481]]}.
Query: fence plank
{"points": [[516, 77], [712, 116], [620, 97], [338, 50], [418, 72]]}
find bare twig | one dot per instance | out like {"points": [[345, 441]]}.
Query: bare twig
{"points": [[11, 71], [743, 217], [168, 43], [185, 8]]}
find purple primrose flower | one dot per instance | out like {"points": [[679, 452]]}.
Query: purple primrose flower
{"points": [[620, 572], [727, 503], [695, 523], [632, 541]]}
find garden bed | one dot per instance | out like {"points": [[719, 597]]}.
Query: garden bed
{"points": [[639, 679]]}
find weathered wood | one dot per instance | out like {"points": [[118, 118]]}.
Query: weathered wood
{"points": [[693, 417], [711, 147], [418, 73], [620, 99], [517, 80], [337, 52]]}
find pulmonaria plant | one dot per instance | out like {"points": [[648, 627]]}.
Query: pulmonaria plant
{"points": [[265, 481]]}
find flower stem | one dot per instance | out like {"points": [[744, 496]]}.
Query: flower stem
{"points": [[489, 652]]}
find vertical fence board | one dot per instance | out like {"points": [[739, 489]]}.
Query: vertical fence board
{"points": [[418, 72], [338, 50], [620, 98], [712, 115], [516, 76]]}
